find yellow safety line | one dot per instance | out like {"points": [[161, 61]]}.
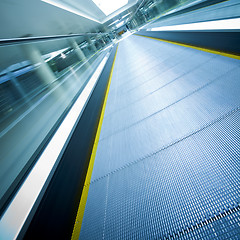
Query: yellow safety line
{"points": [[194, 47], [82, 204]]}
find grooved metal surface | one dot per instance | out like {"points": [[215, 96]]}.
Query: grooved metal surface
{"points": [[167, 163]]}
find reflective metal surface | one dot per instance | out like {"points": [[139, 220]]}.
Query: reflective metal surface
{"points": [[167, 163]]}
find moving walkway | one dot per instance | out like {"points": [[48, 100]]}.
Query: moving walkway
{"points": [[154, 154]]}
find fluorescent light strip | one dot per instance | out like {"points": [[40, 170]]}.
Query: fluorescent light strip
{"points": [[120, 24], [114, 22], [125, 15], [54, 54], [16, 214], [227, 24], [69, 9]]}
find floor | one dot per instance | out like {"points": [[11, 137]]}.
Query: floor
{"points": [[167, 162]]}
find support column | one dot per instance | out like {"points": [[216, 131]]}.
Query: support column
{"points": [[103, 41], [107, 39], [88, 39], [79, 52], [18, 87], [159, 6], [135, 23], [43, 70]]}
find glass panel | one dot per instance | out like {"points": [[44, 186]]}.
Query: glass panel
{"points": [[38, 84], [152, 10]]}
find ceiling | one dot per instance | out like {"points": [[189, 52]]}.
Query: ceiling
{"points": [[88, 9], [37, 18]]}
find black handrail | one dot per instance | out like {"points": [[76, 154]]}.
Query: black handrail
{"points": [[14, 41]]}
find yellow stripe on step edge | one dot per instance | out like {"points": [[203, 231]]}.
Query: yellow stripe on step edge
{"points": [[82, 204], [198, 48]]}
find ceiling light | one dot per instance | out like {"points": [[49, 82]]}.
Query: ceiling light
{"points": [[125, 15], [52, 55], [63, 55], [110, 6], [119, 24], [113, 22]]}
